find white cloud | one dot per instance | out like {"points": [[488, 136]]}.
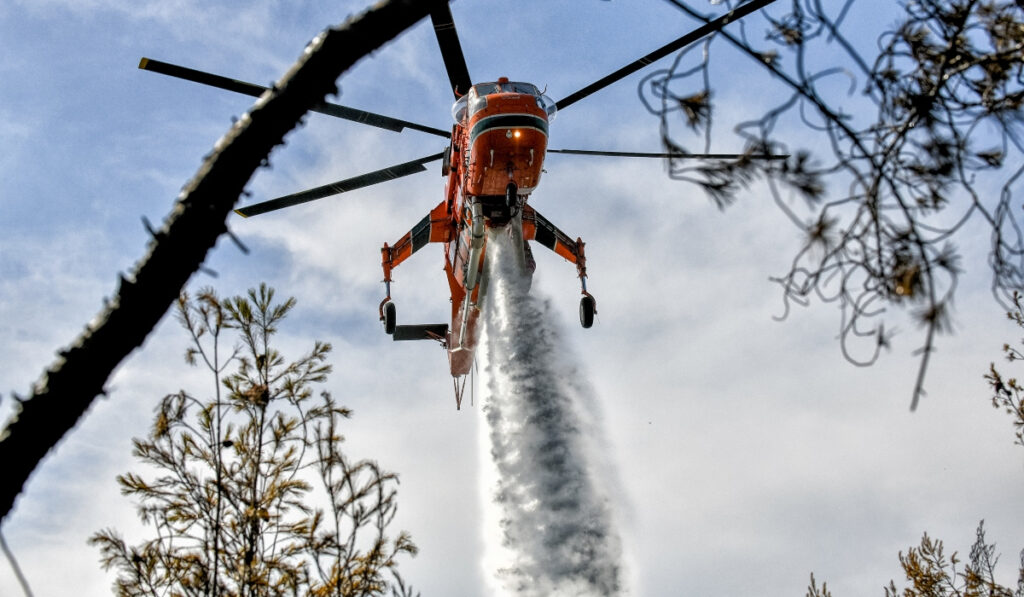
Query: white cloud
{"points": [[749, 452]]}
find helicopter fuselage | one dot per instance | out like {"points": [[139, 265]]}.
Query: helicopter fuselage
{"points": [[495, 160]]}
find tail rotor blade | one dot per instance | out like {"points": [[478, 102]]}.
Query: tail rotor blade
{"points": [[251, 89], [451, 49], [691, 37], [341, 186]]}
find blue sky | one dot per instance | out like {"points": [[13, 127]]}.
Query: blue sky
{"points": [[749, 452]]}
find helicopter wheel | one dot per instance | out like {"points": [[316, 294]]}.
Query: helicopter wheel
{"points": [[587, 310], [390, 318]]}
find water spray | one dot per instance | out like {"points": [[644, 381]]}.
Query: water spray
{"points": [[557, 532]]}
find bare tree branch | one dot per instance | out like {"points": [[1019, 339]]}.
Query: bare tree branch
{"points": [[178, 249], [930, 142]]}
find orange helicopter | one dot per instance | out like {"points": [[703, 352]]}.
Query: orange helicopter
{"points": [[493, 163]]}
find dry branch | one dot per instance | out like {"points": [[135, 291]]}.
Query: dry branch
{"points": [[178, 249]]}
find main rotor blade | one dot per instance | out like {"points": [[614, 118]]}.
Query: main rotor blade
{"points": [[695, 35], [680, 156], [451, 49], [342, 186], [251, 89]]}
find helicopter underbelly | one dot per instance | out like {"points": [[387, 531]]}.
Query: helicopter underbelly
{"points": [[506, 148]]}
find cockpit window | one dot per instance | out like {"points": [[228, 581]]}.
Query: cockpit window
{"points": [[476, 99], [459, 109], [505, 87], [486, 88], [527, 88]]}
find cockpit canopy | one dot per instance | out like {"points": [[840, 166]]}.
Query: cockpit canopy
{"points": [[476, 99], [504, 87]]}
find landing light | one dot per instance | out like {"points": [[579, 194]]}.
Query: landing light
{"points": [[509, 134]]}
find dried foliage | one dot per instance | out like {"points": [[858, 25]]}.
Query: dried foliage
{"points": [[1007, 393], [930, 574], [917, 134], [813, 591], [253, 496]]}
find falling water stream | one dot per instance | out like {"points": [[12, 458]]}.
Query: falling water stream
{"points": [[547, 487]]}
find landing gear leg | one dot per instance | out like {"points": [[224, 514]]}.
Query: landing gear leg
{"points": [[387, 309]]}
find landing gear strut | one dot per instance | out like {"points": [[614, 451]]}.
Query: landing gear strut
{"points": [[387, 308]]}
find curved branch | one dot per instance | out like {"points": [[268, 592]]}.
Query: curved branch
{"points": [[179, 248]]}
